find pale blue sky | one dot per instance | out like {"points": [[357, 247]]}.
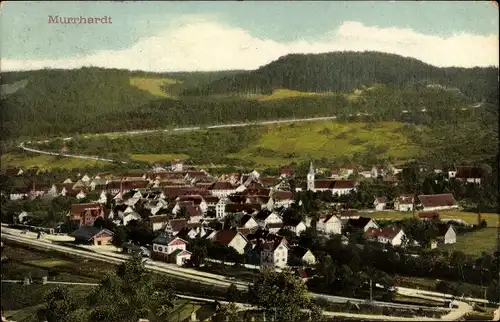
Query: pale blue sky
{"points": [[27, 35]]}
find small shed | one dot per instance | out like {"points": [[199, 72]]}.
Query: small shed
{"points": [[91, 235]]}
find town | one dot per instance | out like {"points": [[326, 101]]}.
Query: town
{"points": [[260, 218]]}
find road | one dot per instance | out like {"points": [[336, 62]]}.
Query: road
{"points": [[221, 281], [179, 129]]}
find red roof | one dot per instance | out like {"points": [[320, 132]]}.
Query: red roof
{"points": [[224, 237], [243, 207], [387, 232], [178, 224], [282, 195], [469, 172], [441, 200], [196, 199], [222, 185]]}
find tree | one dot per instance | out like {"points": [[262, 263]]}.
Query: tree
{"points": [[226, 312], [130, 294], [282, 295], [59, 305], [232, 293]]}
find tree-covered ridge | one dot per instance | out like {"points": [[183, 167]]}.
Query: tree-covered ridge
{"points": [[52, 102], [346, 71]]}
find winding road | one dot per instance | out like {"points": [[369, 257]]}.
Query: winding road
{"points": [[222, 281], [178, 129]]}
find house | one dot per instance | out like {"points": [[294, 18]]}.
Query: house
{"points": [[158, 222], [222, 189], [273, 254], [232, 238], [174, 226], [349, 214], [286, 173], [339, 187], [469, 174], [389, 235], [446, 234], [131, 248], [248, 222], [85, 214], [266, 217], [361, 223], [197, 200], [404, 203], [177, 165], [380, 203], [304, 254], [347, 171], [296, 226], [443, 201], [428, 215], [19, 193], [220, 207], [242, 208], [170, 249], [92, 235], [130, 216], [282, 198], [330, 224], [274, 227]]}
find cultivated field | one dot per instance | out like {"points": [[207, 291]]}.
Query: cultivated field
{"points": [[469, 217], [158, 158], [46, 162], [286, 143]]}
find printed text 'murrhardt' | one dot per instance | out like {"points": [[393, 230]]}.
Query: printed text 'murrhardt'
{"points": [[80, 20]]}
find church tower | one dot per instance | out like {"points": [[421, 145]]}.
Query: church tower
{"points": [[310, 178]]}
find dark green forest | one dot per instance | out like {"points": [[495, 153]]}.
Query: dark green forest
{"points": [[95, 100], [346, 71]]}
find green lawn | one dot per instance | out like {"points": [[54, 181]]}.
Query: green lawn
{"points": [[469, 217], [476, 242], [46, 162]]}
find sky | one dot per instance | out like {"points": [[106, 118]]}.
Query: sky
{"points": [[216, 35]]}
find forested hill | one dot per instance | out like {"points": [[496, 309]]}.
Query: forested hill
{"points": [[57, 101], [346, 71]]}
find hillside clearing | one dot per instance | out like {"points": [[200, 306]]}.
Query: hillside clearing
{"points": [[154, 85], [288, 93]]}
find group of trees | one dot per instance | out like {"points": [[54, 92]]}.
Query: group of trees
{"points": [[128, 294], [132, 293]]}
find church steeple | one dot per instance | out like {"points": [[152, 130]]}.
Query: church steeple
{"points": [[310, 177]]}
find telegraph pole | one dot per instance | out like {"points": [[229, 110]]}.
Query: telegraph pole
{"points": [[371, 290]]}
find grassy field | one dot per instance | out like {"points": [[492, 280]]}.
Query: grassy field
{"points": [[154, 85], [284, 143], [288, 93], [476, 242], [48, 262], [46, 162], [469, 217], [157, 158]]}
